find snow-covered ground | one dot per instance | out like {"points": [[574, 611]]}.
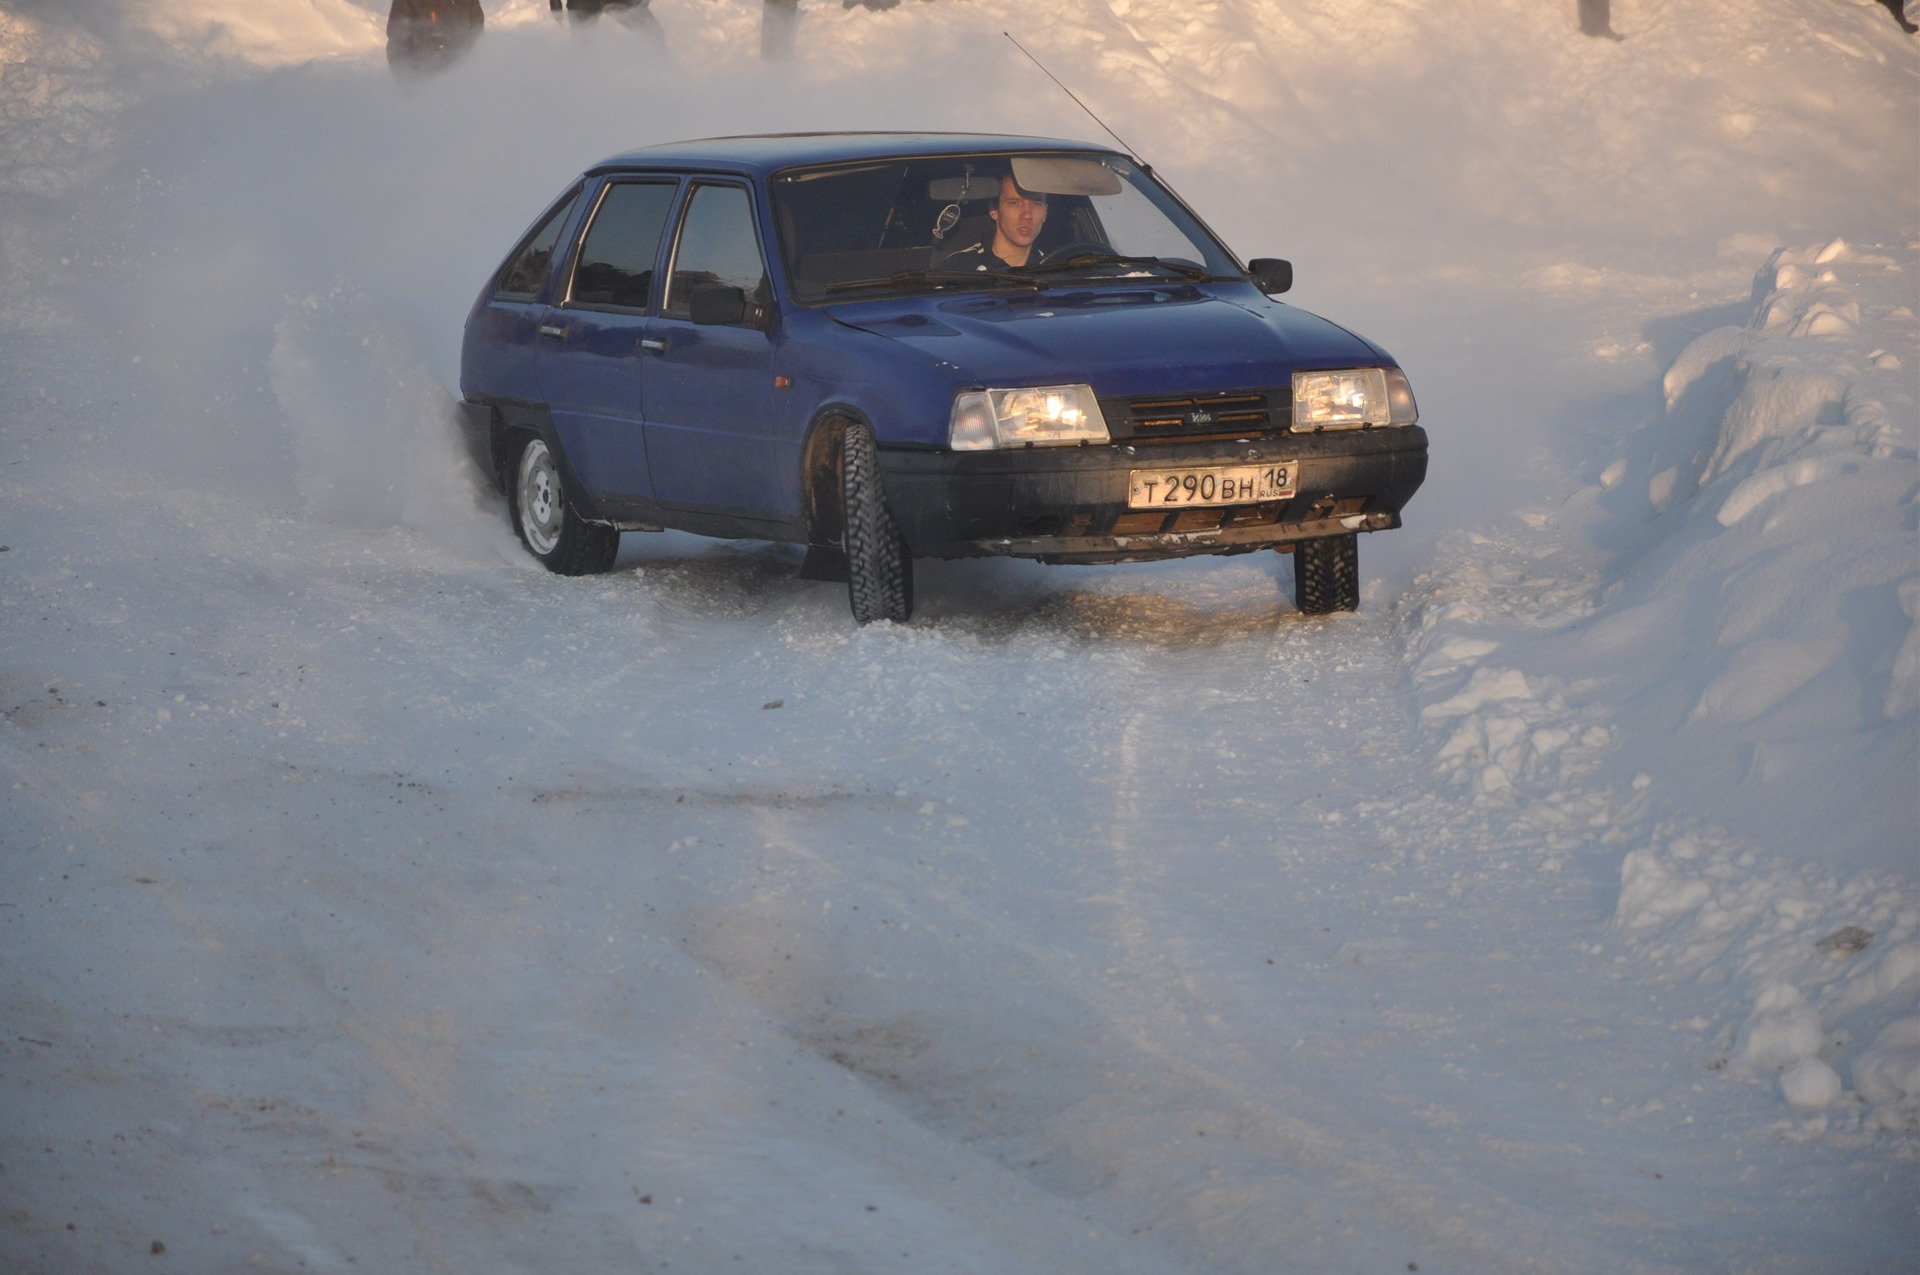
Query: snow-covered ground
{"points": [[376, 901]]}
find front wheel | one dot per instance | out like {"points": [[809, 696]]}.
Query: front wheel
{"points": [[1326, 574], [549, 526], [879, 565]]}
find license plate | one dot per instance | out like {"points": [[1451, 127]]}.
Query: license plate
{"points": [[1220, 485]]}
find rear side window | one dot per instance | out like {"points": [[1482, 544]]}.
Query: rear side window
{"points": [[616, 257], [524, 274], [718, 245]]}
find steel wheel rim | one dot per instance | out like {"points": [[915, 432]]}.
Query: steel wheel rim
{"points": [[541, 510]]}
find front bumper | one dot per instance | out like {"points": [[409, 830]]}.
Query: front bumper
{"points": [[1069, 504]]}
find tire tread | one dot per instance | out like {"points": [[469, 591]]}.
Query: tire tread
{"points": [[879, 564], [1326, 574]]}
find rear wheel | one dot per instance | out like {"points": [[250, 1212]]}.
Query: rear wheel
{"points": [[1326, 574], [547, 522], [879, 565]]}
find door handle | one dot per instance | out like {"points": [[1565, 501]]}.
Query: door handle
{"points": [[555, 331], [654, 345]]}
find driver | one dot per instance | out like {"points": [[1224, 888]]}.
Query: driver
{"points": [[1017, 220]]}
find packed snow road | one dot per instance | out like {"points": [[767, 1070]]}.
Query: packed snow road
{"points": [[399, 908], [374, 901]]}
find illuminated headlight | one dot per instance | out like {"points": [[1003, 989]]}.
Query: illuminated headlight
{"points": [[1042, 417], [1354, 398]]}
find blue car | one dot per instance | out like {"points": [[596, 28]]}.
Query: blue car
{"points": [[889, 346]]}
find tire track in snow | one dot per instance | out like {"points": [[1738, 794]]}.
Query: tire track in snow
{"points": [[1172, 994]]}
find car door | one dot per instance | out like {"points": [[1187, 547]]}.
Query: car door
{"points": [[590, 360], [496, 360], [710, 439]]}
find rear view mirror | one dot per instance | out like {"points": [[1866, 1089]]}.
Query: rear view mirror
{"points": [[1271, 275], [716, 305], [952, 190]]}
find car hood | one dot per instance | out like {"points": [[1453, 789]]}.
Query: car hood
{"points": [[1121, 340]]}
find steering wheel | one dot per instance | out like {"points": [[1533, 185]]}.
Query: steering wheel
{"points": [[1068, 251]]}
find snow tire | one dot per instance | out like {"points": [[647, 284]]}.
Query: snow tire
{"points": [[1326, 574], [879, 564], [547, 522]]}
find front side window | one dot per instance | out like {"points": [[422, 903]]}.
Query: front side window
{"points": [[527, 269], [718, 247], [616, 257]]}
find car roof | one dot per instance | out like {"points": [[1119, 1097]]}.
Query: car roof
{"points": [[770, 152]]}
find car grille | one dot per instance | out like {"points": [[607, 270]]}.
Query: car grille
{"points": [[1196, 418]]}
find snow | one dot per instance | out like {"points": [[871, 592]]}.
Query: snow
{"points": [[264, 35], [1889, 1072], [1810, 1083], [377, 901]]}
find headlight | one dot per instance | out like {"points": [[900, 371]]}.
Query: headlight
{"points": [[1355, 398], [1041, 417]]}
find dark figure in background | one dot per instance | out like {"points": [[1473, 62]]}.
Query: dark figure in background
{"points": [[777, 22], [1898, 8], [633, 13], [1596, 18], [428, 35]]}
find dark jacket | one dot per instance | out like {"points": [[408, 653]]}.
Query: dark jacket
{"points": [[428, 33]]}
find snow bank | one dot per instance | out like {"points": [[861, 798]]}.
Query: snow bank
{"points": [[1888, 1074], [1782, 477], [1755, 627], [1693, 905], [1777, 569]]}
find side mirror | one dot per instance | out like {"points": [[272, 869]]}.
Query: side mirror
{"points": [[717, 305], [1271, 275]]}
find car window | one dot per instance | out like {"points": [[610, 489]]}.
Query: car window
{"points": [[621, 245], [1135, 226], [717, 245], [527, 269], [870, 229]]}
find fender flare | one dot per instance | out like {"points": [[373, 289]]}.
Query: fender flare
{"points": [[820, 471], [515, 416]]}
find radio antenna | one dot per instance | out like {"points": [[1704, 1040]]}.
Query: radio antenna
{"points": [[1077, 102]]}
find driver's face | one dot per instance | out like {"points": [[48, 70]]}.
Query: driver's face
{"points": [[1017, 217]]}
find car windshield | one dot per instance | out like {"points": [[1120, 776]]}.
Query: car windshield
{"points": [[984, 221]]}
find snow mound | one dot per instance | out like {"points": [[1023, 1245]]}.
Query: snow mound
{"points": [[1771, 581], [1782, 1031], [1810, 1083], [1752, 635], [1507, 731], [1509, 736], [1888, 1075], [1791, 398], [1818, 960]]}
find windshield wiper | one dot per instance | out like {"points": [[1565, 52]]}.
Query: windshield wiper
{"points": [[936, 277], [1081, 260]]}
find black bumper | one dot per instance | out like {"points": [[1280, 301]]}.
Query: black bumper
{"points": [[1069, 504]]}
